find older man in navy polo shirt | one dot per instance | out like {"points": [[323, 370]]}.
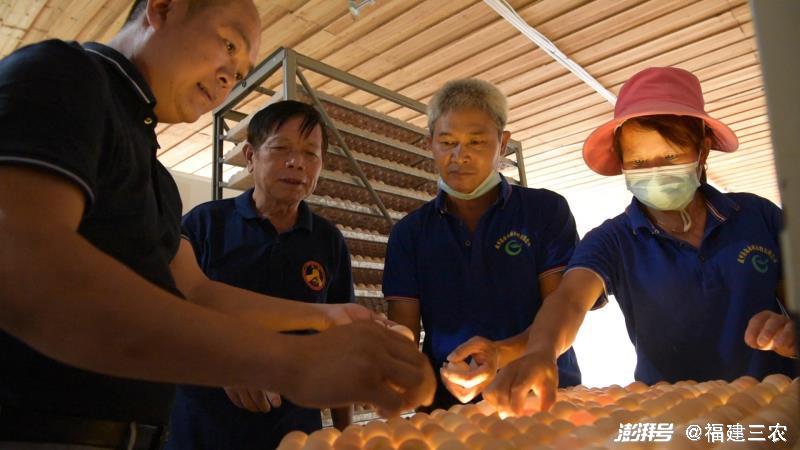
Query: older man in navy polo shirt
{"points": [[265, 240], [476, 261]]}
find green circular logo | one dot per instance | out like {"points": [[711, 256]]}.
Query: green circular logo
{"points": [[760, 263], [513, 247]]}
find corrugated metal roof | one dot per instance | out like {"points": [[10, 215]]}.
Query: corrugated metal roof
{"points": [[413, 46]]}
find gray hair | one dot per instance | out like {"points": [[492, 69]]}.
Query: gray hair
{"points": [[469, 93]]}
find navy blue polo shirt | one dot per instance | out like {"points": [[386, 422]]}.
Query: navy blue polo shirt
{"points": [[234, 245], [85, 113], [484, 283], [686, 309]]}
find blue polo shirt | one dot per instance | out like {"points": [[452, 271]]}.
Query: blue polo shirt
{"points": [[687, 309], [234, 245], [484, 283]]}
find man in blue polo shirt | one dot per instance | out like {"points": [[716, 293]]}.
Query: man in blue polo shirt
{"points": [[265, 240], [476, 261]]}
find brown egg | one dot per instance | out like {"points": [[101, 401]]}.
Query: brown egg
{"points": [[453, 445], [579, 418], [562, 409], [654, 407], [568, 442], [778, 380], [744, 403], [561, 426], [436, 439], [438, 412], [348, 439], [710, 400], [496, 444], [543, 417], [405, 432], [521, 423], [294, 440], [630, 402], [295, 436], [636, 387], [395, 422], [487, 421], [743, 382], [469, 410], [789, 405], [458, 408], [430, 428], [606, 425], [418, 419], [319, 444], [328, 435], [464, 431], [379, 442], [477, 440], [502, 430], [414, 444], [375, 428], [449, 421]]}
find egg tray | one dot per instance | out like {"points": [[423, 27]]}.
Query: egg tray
{"points": [[584, 418]]}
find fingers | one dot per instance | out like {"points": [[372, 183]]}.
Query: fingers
{"points": [[388, 402], [473, 345], [467, 378], [274, 399], [233, 396], [785, 340], [462, 393], [763, 328], [546, 391], [258, 401]]}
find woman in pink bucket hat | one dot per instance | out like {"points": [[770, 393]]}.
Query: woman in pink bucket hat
{"points": [[696, 272]]}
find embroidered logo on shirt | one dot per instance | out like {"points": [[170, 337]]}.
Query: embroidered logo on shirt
{"points": [[760, 258], [511, 243], [314, 275]]}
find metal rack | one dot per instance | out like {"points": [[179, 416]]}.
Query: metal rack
{"points": [[375, 172]]}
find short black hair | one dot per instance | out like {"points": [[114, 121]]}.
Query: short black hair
{"points": [[270, 119]]}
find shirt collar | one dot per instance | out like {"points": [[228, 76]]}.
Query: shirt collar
{"points": [[245, 207], [126, 68], [719, 205], [505, 193]]}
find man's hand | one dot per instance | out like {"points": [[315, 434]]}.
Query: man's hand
{"points": [[253, 400], [768, 330], [466, 381], [511, 387], [370, 364]]}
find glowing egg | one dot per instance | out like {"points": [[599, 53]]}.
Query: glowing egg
{"points": [[375, 428], [378, 442], [562, 409], [348, 440], [502, 430], [438, 438], [405, 432], [452, 445], [414, 444], [636, 387], [582, 417], [743, 402]]}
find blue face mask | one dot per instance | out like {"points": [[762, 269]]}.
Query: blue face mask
{"points": [[665, 188], [490, 182]]}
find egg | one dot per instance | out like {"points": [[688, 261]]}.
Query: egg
{"points": [[452, 445], [430, 428], [375, 428], [450, 421], [778, 380], [743, 402], [292, 440], [465, 430], [521, 423], [561, 426], [496, 444], [743, 382], [438, 438], [636, 387], [562, 409], [502, 430], [317, 444], [379, 442], [405, 432], [328, 435], [414, 444], [470, 410], [418, 419], [478, 440], [543, 416], [348, 440]]}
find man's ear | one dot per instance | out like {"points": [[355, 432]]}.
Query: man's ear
{"points": [[249, 151], [157, 11]]}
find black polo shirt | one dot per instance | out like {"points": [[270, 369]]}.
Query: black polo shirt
{"points": [[86, 113]]}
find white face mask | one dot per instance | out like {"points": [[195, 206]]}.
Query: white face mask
{"points": [[490, 182], [666, 188]]}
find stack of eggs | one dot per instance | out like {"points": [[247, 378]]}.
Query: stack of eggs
{"points": [[590, 418]]}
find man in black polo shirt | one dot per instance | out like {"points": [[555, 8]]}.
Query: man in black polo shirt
{"points": [[92, 268]]}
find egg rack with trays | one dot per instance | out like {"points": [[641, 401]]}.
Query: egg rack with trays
{"points": [[590, 419]]}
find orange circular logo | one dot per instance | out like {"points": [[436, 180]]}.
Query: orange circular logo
{"points": [[314, 275]]}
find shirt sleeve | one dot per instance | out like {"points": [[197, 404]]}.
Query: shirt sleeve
{"points": [[597, 253], [400, 268], [190, 230], [557, 240], [52, 112], [341, 288]]}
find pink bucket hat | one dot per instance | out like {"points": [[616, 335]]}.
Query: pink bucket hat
{"points": [[657, 90]]}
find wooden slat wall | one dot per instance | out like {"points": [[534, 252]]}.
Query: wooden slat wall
{"points": [[413, 46]]}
